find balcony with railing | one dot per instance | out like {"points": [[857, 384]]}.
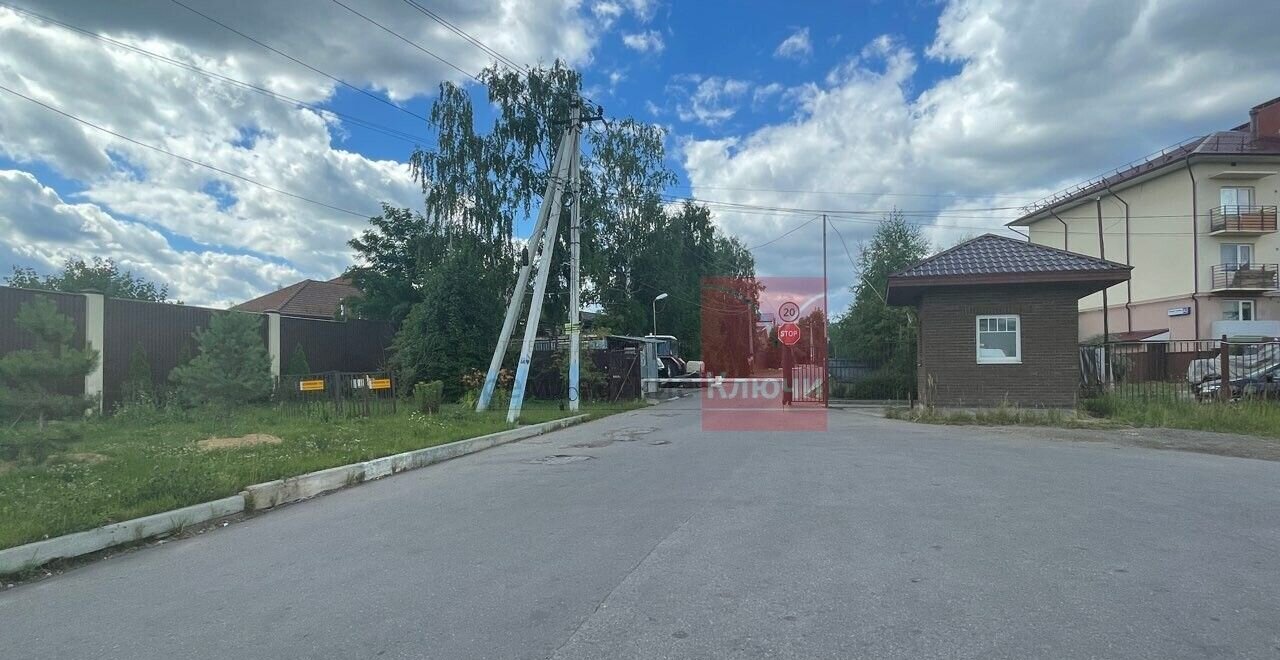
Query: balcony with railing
{"points": [[1242, 220], [1245, 277]]}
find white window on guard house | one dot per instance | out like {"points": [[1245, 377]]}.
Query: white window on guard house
{"points": [[999, 339]]}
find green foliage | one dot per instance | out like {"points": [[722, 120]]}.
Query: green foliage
{"points": [[297, 364], [477, 181], [30, 378], [427, 396], [33, 444], [453, 329], [137, 383], [101, 275], [871, 330], [1261, 418], [231, 366], [672, 252]]}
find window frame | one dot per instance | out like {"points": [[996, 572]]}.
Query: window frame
{"points": [[1236, 192], [1238, 305], [1017, 339]]}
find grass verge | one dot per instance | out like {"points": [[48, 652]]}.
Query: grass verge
{"points": [[1258, 418], [127, 468], [1001, 416]]}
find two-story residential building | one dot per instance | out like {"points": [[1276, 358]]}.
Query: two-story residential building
{"points": [[1197, 221]]}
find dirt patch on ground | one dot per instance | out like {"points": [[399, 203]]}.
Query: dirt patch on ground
{"points": [[6, 467], [86, 457], [250, 440], [1204, 442]]}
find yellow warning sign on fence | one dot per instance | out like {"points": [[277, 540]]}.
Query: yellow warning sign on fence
{"points": [[379, 383], [311, 385]]}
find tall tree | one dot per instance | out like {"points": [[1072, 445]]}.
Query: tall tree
{"points": [[871, 329], [480, 186], [101, 275]]}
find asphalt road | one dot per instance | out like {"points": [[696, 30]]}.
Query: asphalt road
{"points": [[876, 539]]}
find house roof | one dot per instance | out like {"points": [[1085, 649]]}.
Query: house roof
{"points": [[992, 259], [1239, 141], [310, 298]]}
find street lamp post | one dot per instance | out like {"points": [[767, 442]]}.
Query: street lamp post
{"points": [[660, 296]]}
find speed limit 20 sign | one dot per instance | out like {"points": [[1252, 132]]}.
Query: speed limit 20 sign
{"points": [[789, 312]]}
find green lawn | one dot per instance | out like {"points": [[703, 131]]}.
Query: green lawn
{"points": [[124, 469]]}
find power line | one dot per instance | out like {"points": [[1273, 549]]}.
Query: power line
{"points": [[785, 234], [847, 193], [467, 36], [408, 41], [379, 128], [183, 158], [291, 58]]}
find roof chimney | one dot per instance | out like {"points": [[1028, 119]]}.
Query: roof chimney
{"points": [[1264, 120]]}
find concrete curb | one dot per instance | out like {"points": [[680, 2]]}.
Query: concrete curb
{"points": [[259, 497], [35, 554], [282, 491]]}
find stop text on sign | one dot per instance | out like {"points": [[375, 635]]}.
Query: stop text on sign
{"points": [[789, 334]]}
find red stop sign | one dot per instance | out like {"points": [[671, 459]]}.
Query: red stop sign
{"points": [[789, 334]]}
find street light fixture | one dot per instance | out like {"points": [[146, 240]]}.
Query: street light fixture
{"points": [[660, 296]]}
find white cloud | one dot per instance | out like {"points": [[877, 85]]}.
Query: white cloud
{"points": [[644, 42], [139, 194], [1017, 120], [643, 9], [607, 12], [796, 46], [712, 100], [43, 230]]}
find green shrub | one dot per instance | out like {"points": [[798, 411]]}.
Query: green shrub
{"points": [[137, 384], [231, 367], [32, 444], [30, 378], [427, 396], [298, 364]]}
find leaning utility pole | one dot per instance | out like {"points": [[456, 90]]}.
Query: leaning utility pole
{"points": [[566, 175], [535, 249]]}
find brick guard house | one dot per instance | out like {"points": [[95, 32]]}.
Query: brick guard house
{"points": [[998, 321]]}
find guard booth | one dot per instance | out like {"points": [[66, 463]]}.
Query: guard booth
{"points": [[632, 361]]}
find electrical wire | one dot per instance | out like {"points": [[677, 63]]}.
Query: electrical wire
{"points": [[184, 158], [468, 37], [408, 41], [784, 234], [291, 58]]}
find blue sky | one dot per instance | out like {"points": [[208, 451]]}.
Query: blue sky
{"points": [[958, 111]]}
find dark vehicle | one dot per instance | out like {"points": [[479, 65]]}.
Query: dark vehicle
{"points": [[1259, 384]]}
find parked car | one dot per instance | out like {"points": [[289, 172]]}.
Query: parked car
{"points": [[1249, 357], [1258, 384]]}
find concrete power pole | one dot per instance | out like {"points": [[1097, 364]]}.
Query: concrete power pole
{"points": [[575, 226], [540, 250], [565, 178]]}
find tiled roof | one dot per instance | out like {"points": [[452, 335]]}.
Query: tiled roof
{"points": [[990, 254], [310, 298]]}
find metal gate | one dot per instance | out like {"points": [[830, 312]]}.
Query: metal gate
{"points": [[808, 383]]}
